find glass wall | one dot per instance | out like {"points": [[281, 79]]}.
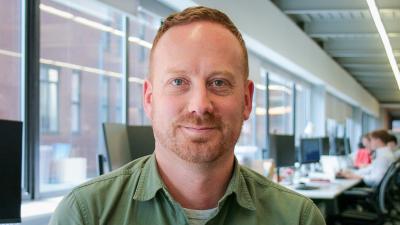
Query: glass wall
{"points": [[302, 114], [81, 77], [142, 32], [280, 105], [10, 60], [260, 110]]}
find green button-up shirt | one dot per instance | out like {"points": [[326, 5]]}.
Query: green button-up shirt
{"points": [[135, 194]]}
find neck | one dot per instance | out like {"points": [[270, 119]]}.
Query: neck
{"points": [[193, 185]]}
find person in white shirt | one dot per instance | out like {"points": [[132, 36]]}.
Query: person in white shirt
{"points": [[392, 144], [373, 174]]}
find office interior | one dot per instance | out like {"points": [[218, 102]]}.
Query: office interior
{"points": [[323, 77]]}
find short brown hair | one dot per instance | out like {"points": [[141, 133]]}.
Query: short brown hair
{"points": [[393, 138], [383, 135], [201, 13]]}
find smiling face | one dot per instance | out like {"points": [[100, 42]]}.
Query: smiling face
{"points": [[198, 96]]}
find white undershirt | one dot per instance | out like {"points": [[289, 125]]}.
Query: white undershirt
{"points": [[199, 217]]}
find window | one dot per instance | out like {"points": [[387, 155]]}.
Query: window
{"points": [[49, 100], [260, 110], [75, 101], [81, 67], [104, 98], [142, 32], [396, 125], [11, 78], [10, 60], [280, 105], [303, 117]]}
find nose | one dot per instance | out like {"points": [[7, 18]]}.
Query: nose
{"points": [[200, 102]]}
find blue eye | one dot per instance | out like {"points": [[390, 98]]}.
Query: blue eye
{"points": [[218, 83], [177, 82]]}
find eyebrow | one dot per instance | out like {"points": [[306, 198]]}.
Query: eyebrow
{"points": [[213, 73], [223, 72], [176, 71]]}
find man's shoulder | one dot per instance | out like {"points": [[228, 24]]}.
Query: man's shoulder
{"points": [[127, 175], [262, 186]]}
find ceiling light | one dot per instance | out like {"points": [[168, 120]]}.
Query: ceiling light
{"points": [[385, 39]]}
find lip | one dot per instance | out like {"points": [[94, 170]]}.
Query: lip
{"points": [[198, 130]]}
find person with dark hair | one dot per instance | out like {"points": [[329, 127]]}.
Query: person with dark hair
{"points": [[363, 156], [373, 174], [392, 144], [197, 97]]}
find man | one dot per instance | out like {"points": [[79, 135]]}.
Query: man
{"points": [[392, 144], [197, 97], [373, 174]]}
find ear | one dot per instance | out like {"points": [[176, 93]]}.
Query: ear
{"points": [[248, 98], [148, 98]]}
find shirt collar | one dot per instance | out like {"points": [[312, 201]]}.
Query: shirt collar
{"points": [[150, 183], [237, 185]]}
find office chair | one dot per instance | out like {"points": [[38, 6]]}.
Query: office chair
{"points": [[375, 205], [125, 143]]}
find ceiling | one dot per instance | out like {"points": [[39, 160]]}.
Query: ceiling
{"points": [[346, 31]]}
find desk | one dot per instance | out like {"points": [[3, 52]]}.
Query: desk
{"points": [[326, 197], [327, 190]]}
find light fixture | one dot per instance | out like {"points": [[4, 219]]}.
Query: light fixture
{"points": [[385, 39]]}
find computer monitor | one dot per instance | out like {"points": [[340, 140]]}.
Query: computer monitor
{"points": [[310, 150], [10, 171], [339, 147], [325, 146], [347, 146], [282, 150]]}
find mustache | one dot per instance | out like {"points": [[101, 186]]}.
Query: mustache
{"points": [[204, 120]]}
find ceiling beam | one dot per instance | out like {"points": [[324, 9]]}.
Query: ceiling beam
{"points": [[391, 105], [357, 44], [350, 35], [363, 60], [312, 6], [374, 78], [372, 74], [350, 53], [357, 28], [384, 91], [369, 66]]}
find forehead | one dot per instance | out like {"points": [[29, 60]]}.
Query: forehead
{"points": [[199, 31], [195, 42]]}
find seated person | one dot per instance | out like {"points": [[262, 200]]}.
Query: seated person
{"points": [[363, 156], [392, 144], [373, 174]]}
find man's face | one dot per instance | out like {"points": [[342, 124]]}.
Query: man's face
{"points": [[376, 143], [392, 145], [198, 97]]}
